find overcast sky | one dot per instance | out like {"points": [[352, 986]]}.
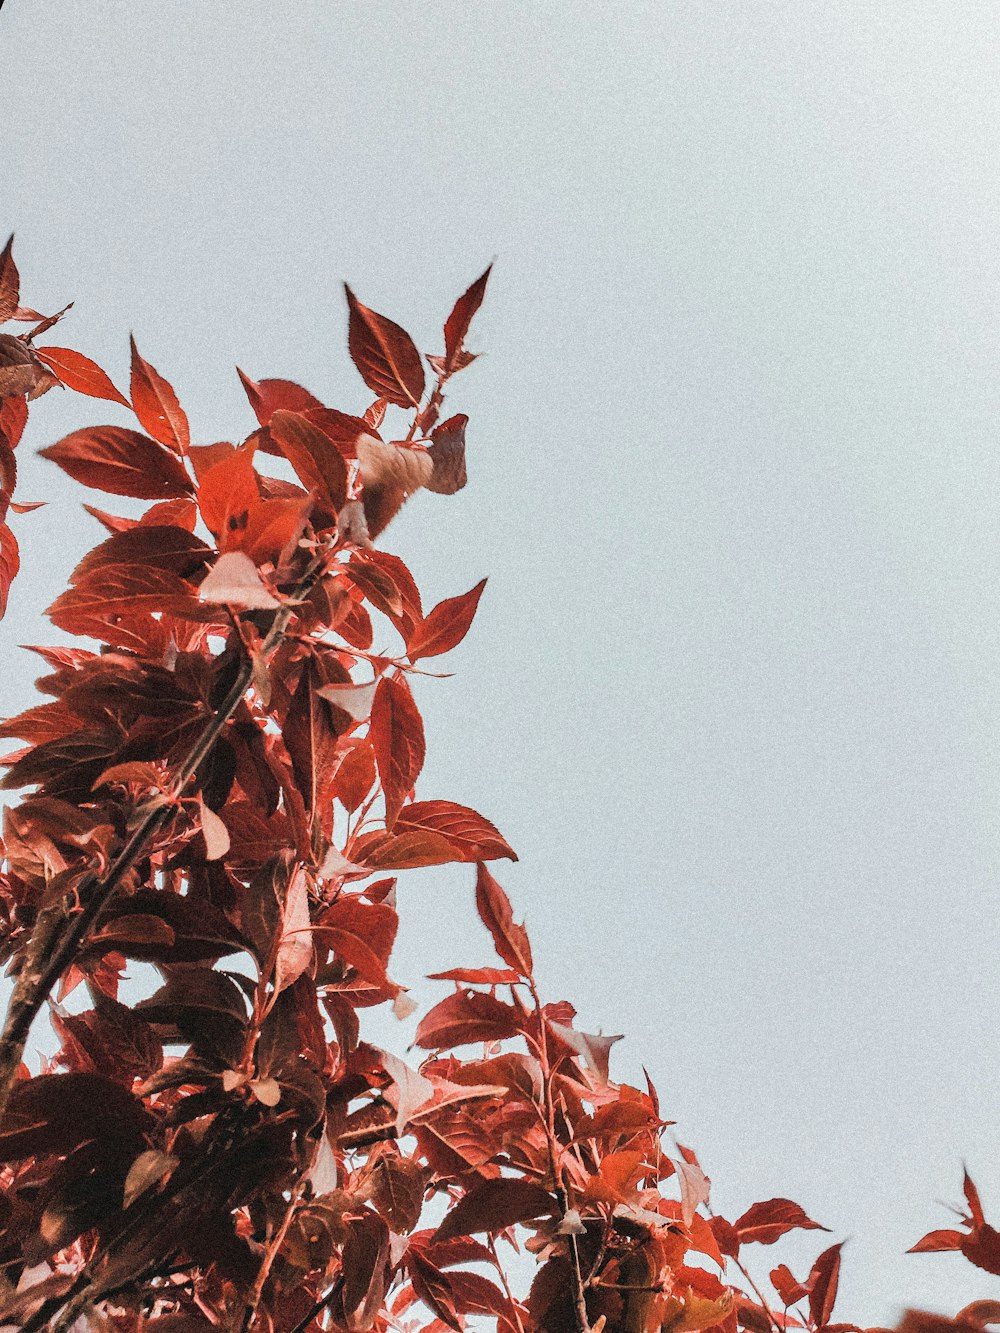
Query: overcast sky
{"points": [[733, 692]]}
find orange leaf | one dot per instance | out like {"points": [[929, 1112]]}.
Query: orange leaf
{"points": [[81, 374], [155, 404]]}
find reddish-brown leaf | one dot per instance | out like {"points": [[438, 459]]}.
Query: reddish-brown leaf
{"points": [[155, 404], [318, 464], [397, 1188], [384, 354], [382, 850], [122, 462], [510, 940], [467, 1016], [435, 1289], [10, 563], [784, 1283], [13, 418], [766, 1222], [937, 1240], [270, 396], [493, 1205], [397, 737], [472, 837], [822, 1283], [10, 283], [445, 626], [457, 324], [81, 374]]}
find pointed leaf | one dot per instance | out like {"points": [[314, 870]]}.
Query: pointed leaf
{"points": [[445, 626], [318, 464], [396, 733], [472, 837], [384, 354], [121, 462], [155, 404], [234, 581], [296, 948], [766, 1222], [494, 1205], [457, 324], [510, 941], [81, 374], [822, 1282], [10, 283]]}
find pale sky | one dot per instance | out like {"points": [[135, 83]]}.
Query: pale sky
{"points": [[733, 692]]}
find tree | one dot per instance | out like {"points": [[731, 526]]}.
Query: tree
{"points": [[221, 784]]}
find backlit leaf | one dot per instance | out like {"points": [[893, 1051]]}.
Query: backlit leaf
{"points": [[445, 626], [122, 462], [472, 837], [155, 404], [81, 374]]}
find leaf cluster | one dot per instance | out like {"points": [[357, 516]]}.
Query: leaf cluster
{"points": [[220, 784]]}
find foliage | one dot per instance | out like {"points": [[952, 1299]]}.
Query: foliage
{"points": [[221, 785]]}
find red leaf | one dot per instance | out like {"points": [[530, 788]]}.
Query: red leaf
{"points": [[937, 1240], [982, 1248], [122, 462], [10, 563], [227, 492], [726, 1236], [155, 404], [10, 283], [493, 1205], [434, 1289], [81, 374], [471, 836], [397, 737], [382, 850], [510, 941], [478, 976], [270, 396], [786, 1286], [445, 626], [822, 1282], [13, 417], [976, 1215], [384, 354], [467, 1016], [317, 462], [457, 324], [766, 1222]]}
